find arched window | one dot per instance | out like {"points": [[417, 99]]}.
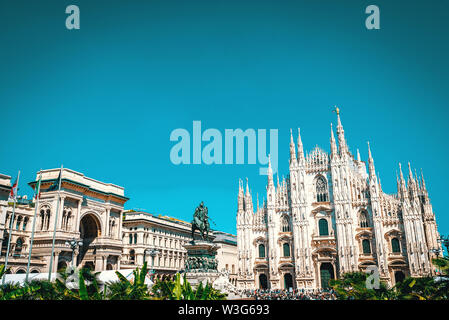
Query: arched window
{"points": [[261, 251], [24, 225], [130, 238], [366, 246], [321, 190], [265, 218], [395, 246], [285, 224], [364, 220], [19, 220], [323, 227], [4, 244], [135, 238], [45, 217], [132, 256], [18, 248], [286, 249]]}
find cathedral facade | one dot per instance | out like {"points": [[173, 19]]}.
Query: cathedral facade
{"points": [[329, 217]]}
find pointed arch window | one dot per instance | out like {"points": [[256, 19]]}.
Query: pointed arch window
{"points": [[321, 190], [395, 246], [323, 227], [285, 224], [366, 246], [364, 220], [286, 249], [261, 251]]}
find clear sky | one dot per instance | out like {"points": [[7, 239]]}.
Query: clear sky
{"points": [[104, 99]]}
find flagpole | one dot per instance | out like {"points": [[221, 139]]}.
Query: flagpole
{"points": [[36, 205], [54, 232], [11, 226]]}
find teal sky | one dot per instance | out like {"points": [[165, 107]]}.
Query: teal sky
{"points": [[104, 99]]}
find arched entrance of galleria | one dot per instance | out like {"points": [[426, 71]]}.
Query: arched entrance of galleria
{"points": [[90, 229]]}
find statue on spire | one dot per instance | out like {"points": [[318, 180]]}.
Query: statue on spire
{"points": [[336, 110]]}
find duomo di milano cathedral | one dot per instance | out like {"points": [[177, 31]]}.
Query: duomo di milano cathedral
{"points": [[330, 217]]}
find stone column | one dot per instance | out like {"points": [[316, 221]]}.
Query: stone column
{"points": [[98, 262], [106, 228], [78, 215], [61, 210], [120, 223], [55, 262]]}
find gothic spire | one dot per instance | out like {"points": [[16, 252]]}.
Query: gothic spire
{"points": [[343, 148], [358, 156], [300, 146], [270, 173], [333, 144], [423, 183], [292, 149], [370, 161]]}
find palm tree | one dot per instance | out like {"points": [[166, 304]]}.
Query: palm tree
{"points": [[352, 286], [130, 290]]}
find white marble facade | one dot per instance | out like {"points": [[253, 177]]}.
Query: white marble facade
{"points": [[330, 216]]}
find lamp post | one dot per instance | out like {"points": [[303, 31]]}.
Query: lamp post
{"points": [[152, 252], [74, 244]]}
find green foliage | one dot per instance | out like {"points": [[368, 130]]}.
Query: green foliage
{"points": [[88, 289], [442, 264], [353, 286], [127, 290], [174, 290]]}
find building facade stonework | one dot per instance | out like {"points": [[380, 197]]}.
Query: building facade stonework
{"points": [[329, 217]]}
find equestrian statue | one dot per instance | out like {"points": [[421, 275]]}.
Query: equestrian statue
{"points": [[200, 222]]}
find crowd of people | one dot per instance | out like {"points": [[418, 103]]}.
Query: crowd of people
{"points": [[295, 294]]}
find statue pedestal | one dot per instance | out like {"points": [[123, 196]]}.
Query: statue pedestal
{"points": [[201, 265]]}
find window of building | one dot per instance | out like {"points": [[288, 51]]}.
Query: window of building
{"points": [[364, 220], [321, 190], [25, 222], [132, 256], [130, 238], [18, 248], [323, 227], [135, 238], [286, 249], [366, 246], [395, 246], [261, 251], [285, 224]]}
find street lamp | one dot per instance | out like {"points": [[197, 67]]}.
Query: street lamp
{"points": [[152, 252], [73, 245]]}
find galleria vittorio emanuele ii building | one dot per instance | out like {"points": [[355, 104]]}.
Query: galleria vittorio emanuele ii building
{"points": [[108, 236], [329, 217]]}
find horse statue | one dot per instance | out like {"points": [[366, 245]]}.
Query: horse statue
{"points": [[200, 222]]}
